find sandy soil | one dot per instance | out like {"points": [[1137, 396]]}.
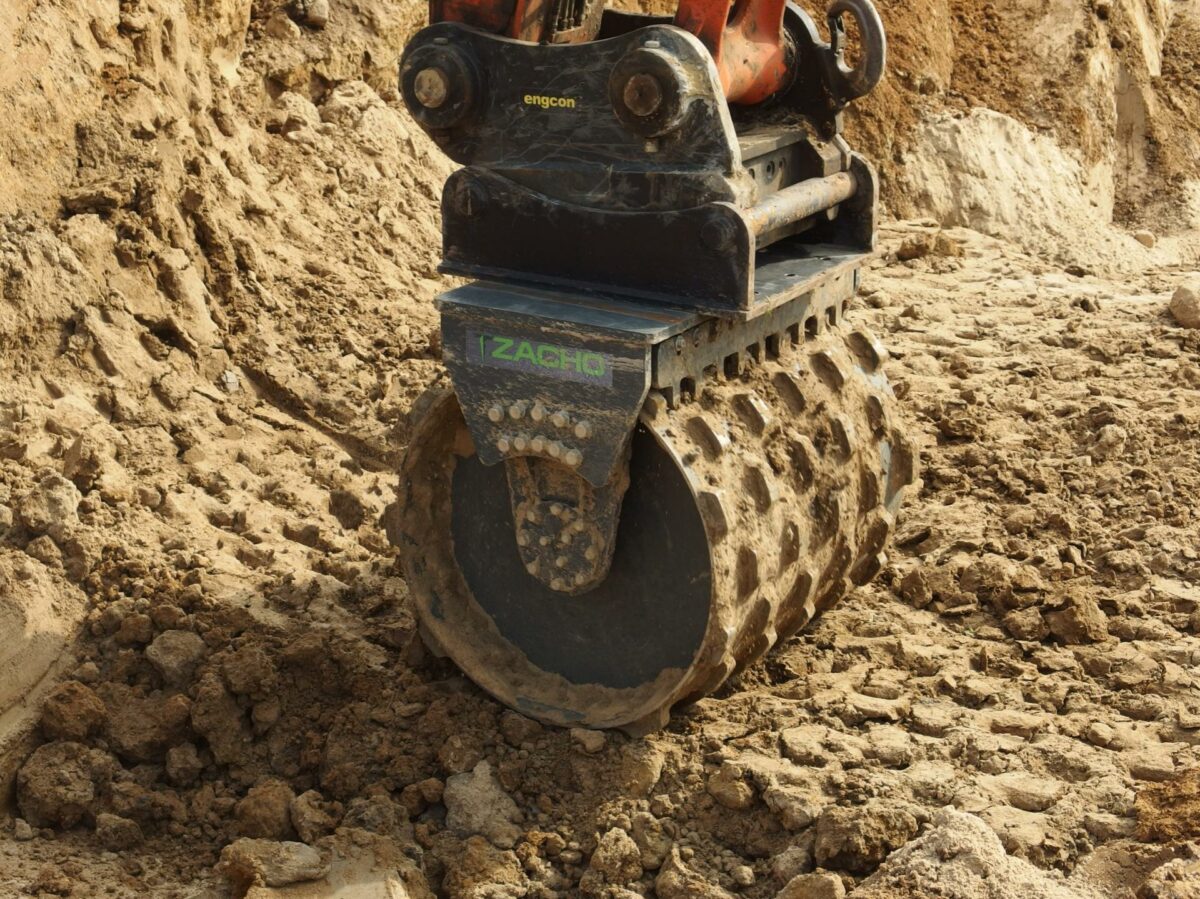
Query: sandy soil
{"points": [[218, 235]]}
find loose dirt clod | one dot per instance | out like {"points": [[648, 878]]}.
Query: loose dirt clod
{"points": [[1185, 304], [246, 862]]}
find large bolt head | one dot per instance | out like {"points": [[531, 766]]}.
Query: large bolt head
{"points": [[718, 234], [441, 83], [650, 92], [643, 94], [431, 87]]}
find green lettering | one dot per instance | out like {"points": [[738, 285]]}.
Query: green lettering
{"points": [[500, 351], [549, 356], [525, 353], [593, 364]]}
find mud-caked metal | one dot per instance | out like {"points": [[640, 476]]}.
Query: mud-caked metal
{"points": [[664, 449]]}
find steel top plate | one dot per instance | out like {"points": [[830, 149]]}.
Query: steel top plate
{"points": [[640, 322]]}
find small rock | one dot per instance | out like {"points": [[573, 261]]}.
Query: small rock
{"points": [[22, 832], [743, 875], [377, 814], [459, 754], [176, 655], [859, 708], [1145, 238], [249, 671], [857, 839], [1110, 442], [307, 534], [141, 728], [88, 673], [72, 711], [729, 787], [1027, 624], [116, 833], [265, 813], [915, 246], [293, 113], [484, 872], [641, 768], [1104, 826], [313, 13], [62, 782], [54, 502], [1078, 621], [791, 863], [167, 617], [53, 880], [266, 714], [419, 796], [945, 245], [135, 630], [476, 804], [149, 496], [247, 862], [1185, 304], [652, 840], [1021, 724], [677, 881], [1026, 791], [590, 741], [45, 550], [217, 717], [281, 27], [796, 807], [183, 764], [932, 720], [518, 729], [819, 885], [617, 861], [1021, 833], [131, 800], [891, 746], [312, 816], [805, 745], [1100, 734]]}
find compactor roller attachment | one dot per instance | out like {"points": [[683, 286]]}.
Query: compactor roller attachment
{"points": [[663, 451], [748, 511]]}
